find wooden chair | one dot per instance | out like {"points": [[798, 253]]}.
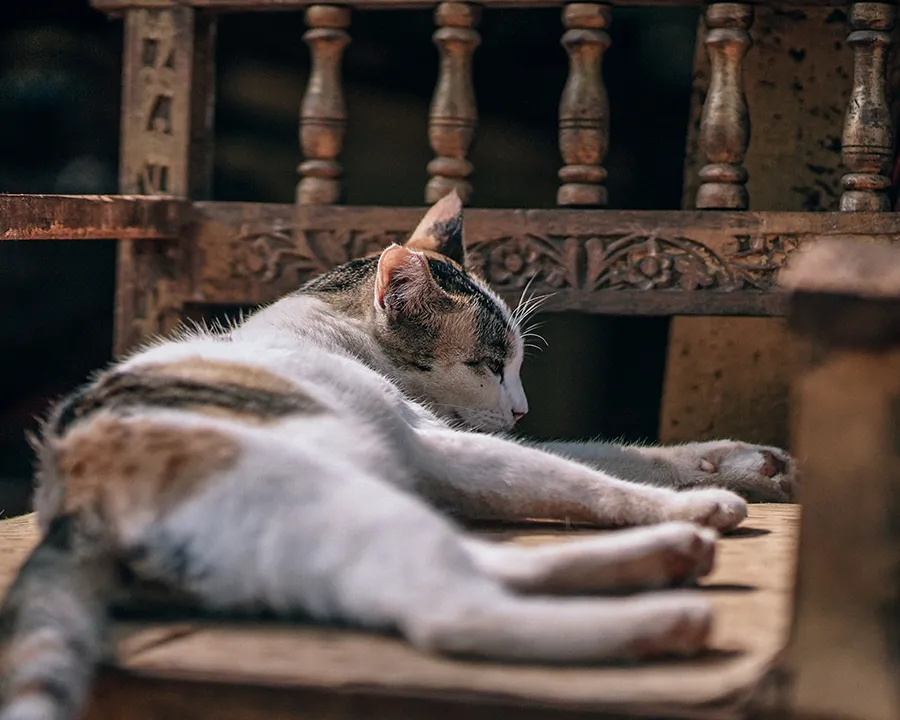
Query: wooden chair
{"points": [[180, 254]]}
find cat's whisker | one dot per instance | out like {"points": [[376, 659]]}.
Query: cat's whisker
{"points": [[532, 334], [534, 326], [523, 300], [529, 306], [526, 308], [533, 305]]}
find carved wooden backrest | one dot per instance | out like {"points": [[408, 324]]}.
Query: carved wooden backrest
{"points": [[591, 259]]}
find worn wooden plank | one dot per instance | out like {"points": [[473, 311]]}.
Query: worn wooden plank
{"points": [[238, 671], [165, 151], [276, 5], [623, 262], [94, 217]]}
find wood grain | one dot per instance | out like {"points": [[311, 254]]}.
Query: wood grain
{"points": [[90, 217]]}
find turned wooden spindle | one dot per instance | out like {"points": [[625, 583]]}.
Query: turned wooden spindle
{"points": [[453, 114], [323, 114], [584, 107], [725, 123], [868, 136]]}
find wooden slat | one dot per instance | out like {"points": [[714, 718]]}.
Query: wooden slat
{"points": [[94, 217], [621, 262], [274, 5]]}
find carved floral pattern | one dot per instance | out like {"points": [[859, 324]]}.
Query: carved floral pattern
{"points": [[510, 262], [287, 256], [652, 262], [276, 253]]}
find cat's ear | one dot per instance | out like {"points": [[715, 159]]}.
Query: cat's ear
{"points": [[441, 230], [404, 285]]}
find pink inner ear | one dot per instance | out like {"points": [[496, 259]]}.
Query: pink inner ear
{"points": [[393, 257]]}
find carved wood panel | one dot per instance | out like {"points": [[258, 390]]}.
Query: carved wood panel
{"points": [[591, 261], [167, 93]]}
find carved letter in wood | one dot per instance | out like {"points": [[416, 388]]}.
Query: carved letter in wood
{"points": [[725, 123], [167, 102], [868, 136], [584, 107], [323, 114], [453, 115]]}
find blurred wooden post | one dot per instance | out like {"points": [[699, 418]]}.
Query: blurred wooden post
{"points": [[166, 149], [844, 656]]}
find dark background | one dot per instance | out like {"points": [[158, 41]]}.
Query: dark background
{"points": [[59, 101]]}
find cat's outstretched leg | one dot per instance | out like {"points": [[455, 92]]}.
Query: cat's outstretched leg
{"points": [[487, 477], [296, 532], [567, 630], [639, 558], [759, 473]]}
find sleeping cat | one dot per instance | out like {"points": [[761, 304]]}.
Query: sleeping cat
{"points": [[310, 461]]}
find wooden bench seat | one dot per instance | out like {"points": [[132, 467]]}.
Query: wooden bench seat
{"points": [[241, 670]]}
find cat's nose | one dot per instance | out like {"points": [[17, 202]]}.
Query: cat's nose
{"points": [[517, 415]]}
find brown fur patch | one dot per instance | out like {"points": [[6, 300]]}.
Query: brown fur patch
{"points": [[216, 372], [124, 465]]}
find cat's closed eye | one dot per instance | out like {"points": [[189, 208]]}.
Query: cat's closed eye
{"points": [[494, 366]]}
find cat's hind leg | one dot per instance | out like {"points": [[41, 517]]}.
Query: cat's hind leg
{"points": [[301, 532], [641, 558]]}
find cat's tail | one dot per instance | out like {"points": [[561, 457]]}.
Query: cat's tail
{"points": [[52, 625]]}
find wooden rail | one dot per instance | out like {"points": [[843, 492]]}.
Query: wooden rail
{"points": [[90, 217], [596, 261]]}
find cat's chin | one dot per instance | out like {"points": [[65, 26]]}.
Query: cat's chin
{"points": [[478, 422], [487, 426]]}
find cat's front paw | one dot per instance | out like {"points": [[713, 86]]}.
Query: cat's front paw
{"points": [[717, 509], [757, 472]]}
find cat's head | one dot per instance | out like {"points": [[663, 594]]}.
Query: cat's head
{"points": [[453, 342]]}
